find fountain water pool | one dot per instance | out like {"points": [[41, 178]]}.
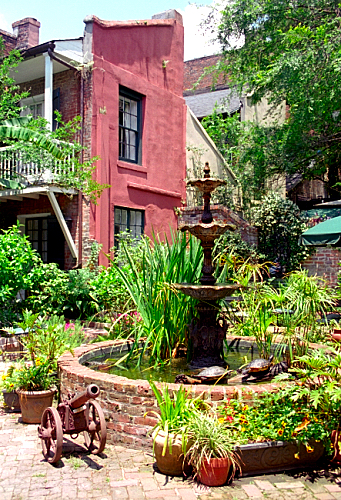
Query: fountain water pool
{"points": [[125, 401]]}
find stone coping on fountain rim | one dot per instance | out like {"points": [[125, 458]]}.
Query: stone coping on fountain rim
{"points": [[125, 401]]}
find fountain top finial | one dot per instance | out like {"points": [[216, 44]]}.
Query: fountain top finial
{"points": [[207, 170]]}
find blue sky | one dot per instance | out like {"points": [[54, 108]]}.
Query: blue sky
{"points": [[64, 18]]}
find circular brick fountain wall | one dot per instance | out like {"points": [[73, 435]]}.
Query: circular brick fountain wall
{"points": [[125, 401]]}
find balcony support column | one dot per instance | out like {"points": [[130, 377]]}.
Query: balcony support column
{"points": [[48, 93], [62, 223]]}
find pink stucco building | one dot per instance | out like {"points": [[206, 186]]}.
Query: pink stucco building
{"points": [[125, 80]]}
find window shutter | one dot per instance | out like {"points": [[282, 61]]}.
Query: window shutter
{"points": [[56, 106]]}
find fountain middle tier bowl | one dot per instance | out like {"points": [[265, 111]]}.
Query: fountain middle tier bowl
{"points": [[208, 233], [207, 292], [206, 184]]}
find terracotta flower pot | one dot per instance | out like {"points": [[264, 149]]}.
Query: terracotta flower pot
{"points": [[33, 404], [11, 399], [336, 335], [171, 463], [336, 442], [214, 472]]}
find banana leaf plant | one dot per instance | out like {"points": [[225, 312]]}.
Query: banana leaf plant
{"points": [[16, 129]]}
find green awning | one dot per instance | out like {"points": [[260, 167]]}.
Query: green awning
{"points": [[325, 233]]}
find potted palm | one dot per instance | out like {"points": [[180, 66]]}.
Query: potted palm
{"points": [[169, 437], [33, 378], [211, 451], [35, 389]]}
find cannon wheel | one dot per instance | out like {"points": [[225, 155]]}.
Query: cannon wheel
{"points": [[96, 435], [51, 432]]}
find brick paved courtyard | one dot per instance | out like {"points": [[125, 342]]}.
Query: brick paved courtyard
{"points": [[123, 473], [128, 474]]}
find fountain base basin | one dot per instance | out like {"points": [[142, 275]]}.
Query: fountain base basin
{"points": [[125, 401]]}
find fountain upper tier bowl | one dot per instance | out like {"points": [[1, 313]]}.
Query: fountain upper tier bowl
{"points": [[207, 292], [208, 233], [206, 184]]}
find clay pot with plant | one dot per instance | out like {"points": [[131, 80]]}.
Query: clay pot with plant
{"points": [[35, 388], [169, 437], [8, 385], [211, 451], [33, 378]]}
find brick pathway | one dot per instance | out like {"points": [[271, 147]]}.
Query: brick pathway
{"points": [[128, 474], [122, 473]]}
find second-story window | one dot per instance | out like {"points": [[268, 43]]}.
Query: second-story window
{"points": [[130, 133]]}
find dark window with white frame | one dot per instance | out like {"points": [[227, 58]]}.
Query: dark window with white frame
{"points": [[36, 230], [46, 236], [130, 125], [128, 219]]}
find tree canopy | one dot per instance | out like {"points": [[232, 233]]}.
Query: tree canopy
{"points": [[288, 50]]}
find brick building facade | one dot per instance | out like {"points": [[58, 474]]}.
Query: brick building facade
{"points": [[324, 262]]}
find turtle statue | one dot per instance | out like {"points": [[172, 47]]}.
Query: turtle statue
{"points": [[257, 368], [210, 374], [262, 369]]}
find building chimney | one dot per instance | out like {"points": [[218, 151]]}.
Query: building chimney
{"points": [[27, 32], [169, 14]]}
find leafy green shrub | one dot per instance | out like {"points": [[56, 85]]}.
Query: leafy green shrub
{"points": [[19, 265], [49, 293], [280, 225], [280, 416], [63, 292], [232, 243], [85, 293]]}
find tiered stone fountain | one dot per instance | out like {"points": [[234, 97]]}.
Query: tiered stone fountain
{"points": [[208, 331]]}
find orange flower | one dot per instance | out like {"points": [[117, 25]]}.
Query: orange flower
{"points": [[280, 432], [309, 448], [303, 425]]}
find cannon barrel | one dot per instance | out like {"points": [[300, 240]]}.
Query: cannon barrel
{"points": [[91, 392]]}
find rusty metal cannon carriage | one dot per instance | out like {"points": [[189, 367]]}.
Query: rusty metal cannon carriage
{"points": [[77, 414]]}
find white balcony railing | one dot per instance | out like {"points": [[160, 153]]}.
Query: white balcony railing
{"points": [[15, 165]]}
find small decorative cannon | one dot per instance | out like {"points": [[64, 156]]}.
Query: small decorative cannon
{"points": [[78, 413]]}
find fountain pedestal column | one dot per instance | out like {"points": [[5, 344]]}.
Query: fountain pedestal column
{"points": [[207, 332], [207, 336]]}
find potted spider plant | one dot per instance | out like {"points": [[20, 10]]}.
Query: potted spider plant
{"points": [[169, 436], [211, 451]]}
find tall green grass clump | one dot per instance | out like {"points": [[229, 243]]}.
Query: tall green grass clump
{"points": [[165, 313]]}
